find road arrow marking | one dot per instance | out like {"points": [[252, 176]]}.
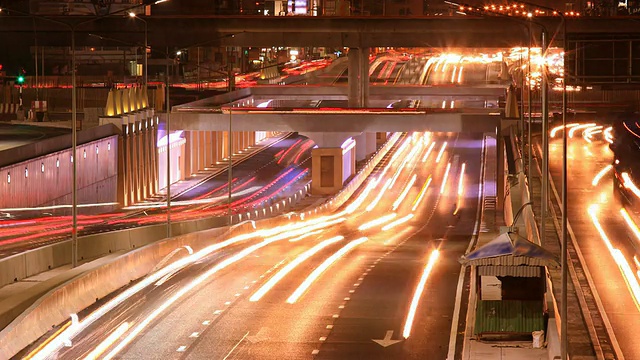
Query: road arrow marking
{"points": [[387, 339], [262, 335]]}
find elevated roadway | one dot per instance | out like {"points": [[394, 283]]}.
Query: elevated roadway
{"points": [[267, 31]]}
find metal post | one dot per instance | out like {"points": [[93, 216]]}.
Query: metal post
{"points": [[230, 166], [36, 63], [564, 341], [168, 114], [74, 165], [545, 143], [198, 71], [146, 46], [530, 154], [521, 110]]}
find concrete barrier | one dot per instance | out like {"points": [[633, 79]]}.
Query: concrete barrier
{"points": [[79, 288]]}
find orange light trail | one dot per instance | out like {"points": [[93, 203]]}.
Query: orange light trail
{"points": [[600, 174], [320, 269], [376, 222], [444, 180], [424, 158], [423, 191], [404, 193], [395, 223], [444, 146], [406, 331]]}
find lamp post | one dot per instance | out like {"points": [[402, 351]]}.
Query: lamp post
{"points": [[145, 74], [74, 114]]}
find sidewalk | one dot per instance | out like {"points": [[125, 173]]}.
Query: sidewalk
{"points": [[490, 223]]}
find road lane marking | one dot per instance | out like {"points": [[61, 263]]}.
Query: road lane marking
{"points": [[206, 322], [194, 334], [236, 345], [217, 312], [181, 348]]}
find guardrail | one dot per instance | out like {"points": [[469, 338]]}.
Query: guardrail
{"points": [[81, 287]]}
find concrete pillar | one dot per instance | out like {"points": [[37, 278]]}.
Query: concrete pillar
{"points": [[208, 149], [225, 144], [326, 174], [214, 147], [219, 146], [381, 138], [144, 159], [188, 154], [202, 140], [372, 143], [153, 155], [361, 146], [358, 77]]}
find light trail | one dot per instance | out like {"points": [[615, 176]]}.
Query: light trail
{"points": [[320, 269], [444, 180], [180, 293], [461, 180], [404, 193], [632, 225], [423, 191], [608, 134], [292, 265], [306, 229], [623, 265], [376, 200], [587, 135], [376, 222], [113, 337], [360, 199], [406, 331], [424, 158], [628, 183], [306, 235], [558, 128], [579, 127], [395, 223], [460, 74], [444, 146], [44, 343], [601, 174], [54, 207], [460, 190]]}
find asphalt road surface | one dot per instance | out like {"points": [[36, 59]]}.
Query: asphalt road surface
{"points": [[334, 287]]}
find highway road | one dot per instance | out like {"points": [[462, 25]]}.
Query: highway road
{"points": [[375, 280], [260, 177], [598, 227]]}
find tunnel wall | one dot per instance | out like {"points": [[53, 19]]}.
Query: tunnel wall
{"points": [[46, 180]]}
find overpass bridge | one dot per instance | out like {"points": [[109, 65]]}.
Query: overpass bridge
{"points": [[601, 50], [341, 135]]}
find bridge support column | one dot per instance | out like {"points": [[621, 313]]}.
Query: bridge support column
{"points": [[333, 162], [202, 139], [366, 145], [359, 77]]}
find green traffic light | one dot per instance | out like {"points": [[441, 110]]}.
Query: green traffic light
{"points": [[20, 79]]}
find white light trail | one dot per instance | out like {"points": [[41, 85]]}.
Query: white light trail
{"points": [[406, 331], [629, 184], [292, 265], [320, 269], [600, 174], [197, 281], [306, 235], [376, 200], [558, 128], [461, 180], [623, 265], [632, 225], [424, 158], [376, 222], [404, 193], [444, 146], [120, 330], [579, 127], [444, 180], [395, 223]]}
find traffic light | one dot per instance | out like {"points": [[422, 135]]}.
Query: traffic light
{"points": [[20, 79]]}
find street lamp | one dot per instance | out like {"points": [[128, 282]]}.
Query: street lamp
{"points": [[134, 16], [74, 113]]}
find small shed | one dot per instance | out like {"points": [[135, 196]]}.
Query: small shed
{"points": [[510, 285]]}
